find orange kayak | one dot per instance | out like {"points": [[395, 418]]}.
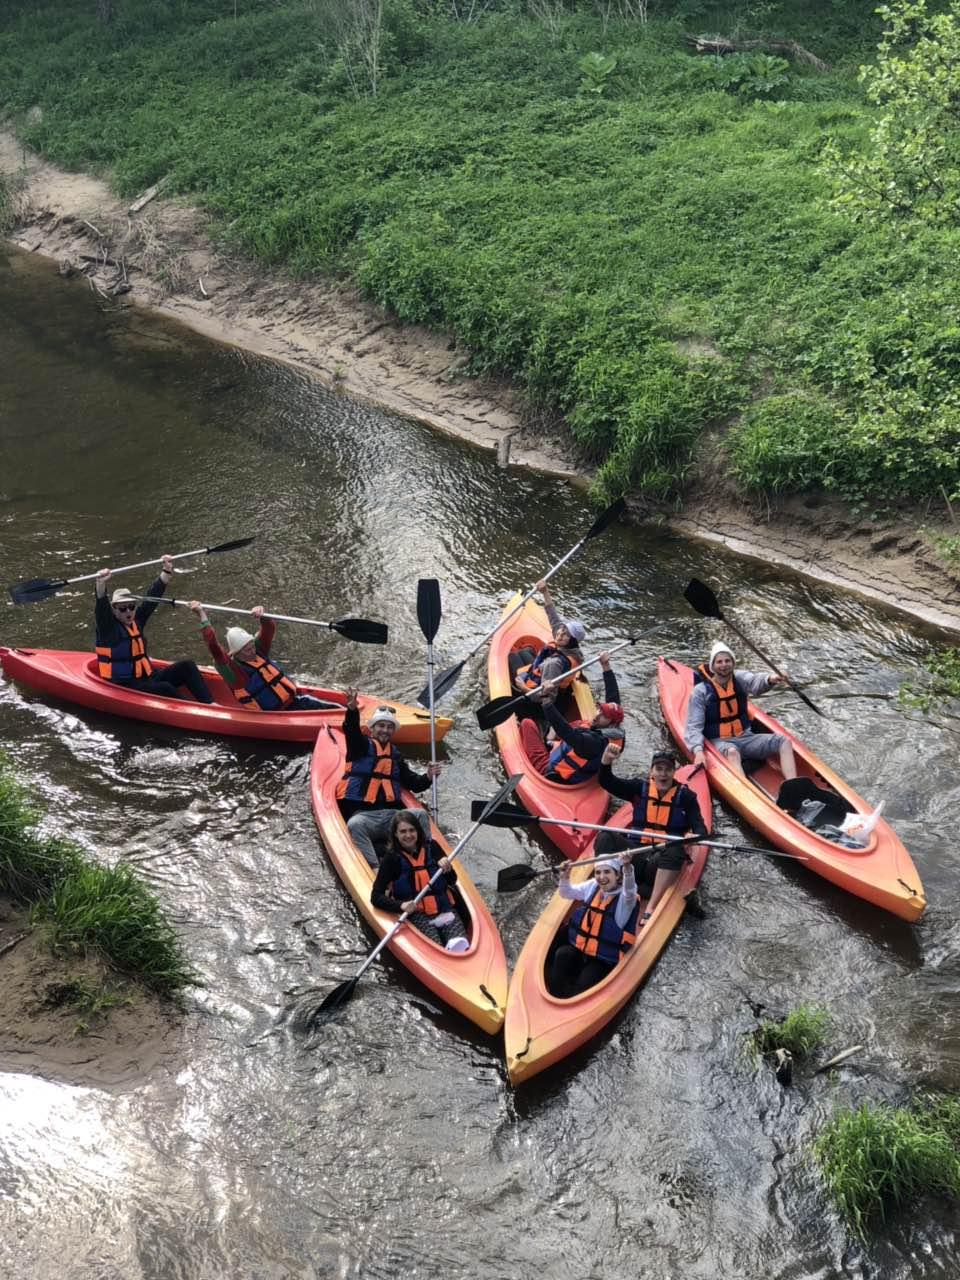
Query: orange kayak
{"points": [[474, 982], [541, 1029], [882, 872], [72, 675], [583, 801]]}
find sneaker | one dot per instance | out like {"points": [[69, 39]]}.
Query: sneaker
{"points": [[458, 944]]}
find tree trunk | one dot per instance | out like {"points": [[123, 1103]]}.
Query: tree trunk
{"points": [[105, 11]]}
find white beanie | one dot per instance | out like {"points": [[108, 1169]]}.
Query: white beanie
{"points": [[611, 864], [236, 639], [383, 713], [719, 647]]}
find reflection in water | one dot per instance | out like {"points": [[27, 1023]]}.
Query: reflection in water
{"points": [[390, 1139]]}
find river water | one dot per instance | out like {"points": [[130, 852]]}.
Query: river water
{"points": [[394, 1146]]}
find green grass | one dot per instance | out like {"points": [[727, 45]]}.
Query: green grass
{"points": [[879, 1156], [90, 1002], [943, 669], [84, 906], [585, 243], [801, 1031]]}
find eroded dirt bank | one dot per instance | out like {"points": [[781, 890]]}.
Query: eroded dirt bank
{"points": [[163, 257]]}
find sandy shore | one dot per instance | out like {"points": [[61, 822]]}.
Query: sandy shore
{"points": [[162, 257]]}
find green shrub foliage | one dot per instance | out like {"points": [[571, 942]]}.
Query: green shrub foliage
{"points": [[585, 221]]}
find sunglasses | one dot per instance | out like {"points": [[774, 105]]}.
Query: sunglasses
{"points": [[125, 608]]}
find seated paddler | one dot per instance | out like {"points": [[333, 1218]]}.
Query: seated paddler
{"points": [[410, 863], [718, 713], [602, 927], [254, 680], [376, 773], [574, 755], [661, 805], [529, 669], [121, 646]]}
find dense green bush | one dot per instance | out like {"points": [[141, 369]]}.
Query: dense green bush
{"points": [[590, 244], [84, 905]]}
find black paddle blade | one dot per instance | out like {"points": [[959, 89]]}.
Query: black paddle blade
{"points": [[505, 815], [496, 711], [699, 595], [35, 590], [606, 518], [362, 630], [331, 1003], [511, 879], [230, 546], [442, 684], [429, 610]]}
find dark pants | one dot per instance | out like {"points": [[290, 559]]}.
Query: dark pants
{"points": [[573, 973], [167, 683], [306, 702]]}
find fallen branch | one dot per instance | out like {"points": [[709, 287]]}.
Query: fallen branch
{"points": [[838, 1058], [94, 229], [202, 289], [148, 195], [789, 48], [95, 257], [13, 942]]}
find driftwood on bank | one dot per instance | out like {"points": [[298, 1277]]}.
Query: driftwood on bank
{"points": [[788, 48], [142, 201]]}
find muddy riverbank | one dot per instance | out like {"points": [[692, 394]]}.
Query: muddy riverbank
{"points": [[163, 257]]}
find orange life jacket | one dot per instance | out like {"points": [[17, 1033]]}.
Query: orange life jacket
{"points": [[267, 688], [416, 873], [595, 932], [126, 659], [374, 777], [530, 677], [727, 714]]}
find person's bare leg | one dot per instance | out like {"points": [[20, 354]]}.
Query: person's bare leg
{"points": [[788, 765], [665, 877], [732, 757]]}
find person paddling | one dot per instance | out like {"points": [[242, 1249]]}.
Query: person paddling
{"points": [[121, 647], [717, 713], [369, 791], [575, 756], [530, 670], [602, 928], [405, 869], [255, 681], [660, 804]]}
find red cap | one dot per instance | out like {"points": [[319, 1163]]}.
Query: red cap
{"points": [[613, 711]]}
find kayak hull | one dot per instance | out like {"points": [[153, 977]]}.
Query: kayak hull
{"points": [[540, 1029], [881, 873], [473, 982], [72, 676], [583, 802]]}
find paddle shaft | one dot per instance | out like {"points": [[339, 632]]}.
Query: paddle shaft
{"points": [[435, 804], [658, 835], [222, 608], [142, 564], [772, 665], [592, 532]]}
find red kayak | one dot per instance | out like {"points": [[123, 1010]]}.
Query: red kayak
{"points": [[73, 676], [582, 801], [882, 872], [541, 1029], [475, 981]]}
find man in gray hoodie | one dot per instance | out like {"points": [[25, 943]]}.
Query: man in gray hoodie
{"points": [[717, 713]]}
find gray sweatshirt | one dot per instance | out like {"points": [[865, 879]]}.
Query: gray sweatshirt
{"points": [[753, 684]]}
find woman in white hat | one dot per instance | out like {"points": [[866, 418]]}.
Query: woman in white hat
{"points": [[717, 713], [602, 927], [255, 681], [369, 793], [530, 670]]}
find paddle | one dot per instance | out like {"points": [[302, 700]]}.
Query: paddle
{"points": [[429, 612], [512, 879], [359, 629], [497, 710], [341, 994], [447, 679], [699, 595], [42, 588]]}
